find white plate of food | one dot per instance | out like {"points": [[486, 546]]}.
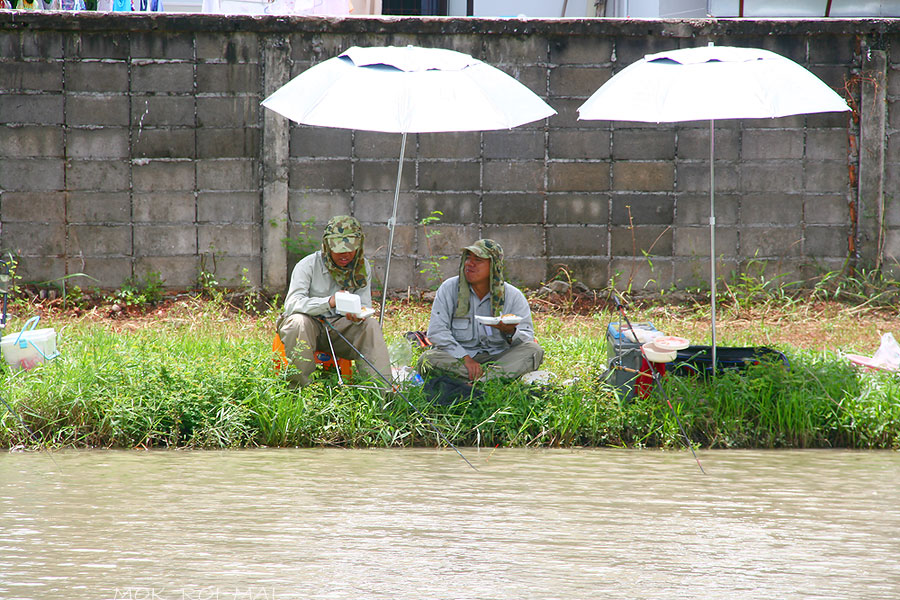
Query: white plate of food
{"points": [[488, 320], [365, 313], [510, 319]]}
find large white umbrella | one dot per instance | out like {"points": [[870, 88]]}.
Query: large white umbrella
{"points": [[406, 90], [709, 83]]}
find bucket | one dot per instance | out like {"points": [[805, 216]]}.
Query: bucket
{"points": [[29, 347]]}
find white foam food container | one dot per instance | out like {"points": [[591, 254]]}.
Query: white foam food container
{"points": [[345, 302]]}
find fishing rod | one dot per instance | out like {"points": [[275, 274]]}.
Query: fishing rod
{"points": [[659, 385], [393, 388]]}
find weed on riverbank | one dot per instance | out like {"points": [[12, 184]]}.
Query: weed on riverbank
{"points": [[200, 374]]}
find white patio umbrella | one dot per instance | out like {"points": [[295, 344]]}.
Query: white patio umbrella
{"points": [[709, 83], [406, 90]]}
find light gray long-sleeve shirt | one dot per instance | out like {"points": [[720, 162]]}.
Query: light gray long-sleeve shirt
{"points": [[466, 336], [312, 286]]}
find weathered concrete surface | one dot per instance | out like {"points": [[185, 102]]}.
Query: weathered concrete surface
{"points": [[136, 143]]}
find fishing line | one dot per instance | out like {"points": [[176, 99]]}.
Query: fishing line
{"points": [[395, 389], [659, 384]]}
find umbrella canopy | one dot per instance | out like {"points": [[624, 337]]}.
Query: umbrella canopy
{"points": [[709, 83], [407, 90]]}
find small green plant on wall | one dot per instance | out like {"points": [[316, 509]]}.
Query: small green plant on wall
{"points": [[305, 242], [432, 263]]}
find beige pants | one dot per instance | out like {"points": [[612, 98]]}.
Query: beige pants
{"points": [[510, 364], [303, 335]]}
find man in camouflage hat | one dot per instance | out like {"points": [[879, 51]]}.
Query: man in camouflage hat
{"points": [[468, 339], [339, 265]]}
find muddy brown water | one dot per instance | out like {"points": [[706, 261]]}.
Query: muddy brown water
{"points": [[352, 524]]}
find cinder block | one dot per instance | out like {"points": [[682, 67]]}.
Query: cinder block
{"points": [[443, 176], [372, 144], [96, 110], [771, 209], [515, 50], [581, 50], [827, 176], [33, 207], [28, 175], [162, 175], [162, 77], [43, 109], [573, 209], [503, 175], [641, 274], [322, 175], [403, 272], [643, 144], [99, 240], [229, 111], [830, 209], [579, 82], [29, 76], [771, 144], [96, 208], [771, 242], [11, 45], [693, 209], [108, 142], [587, 144], [891, 249], [161, 111], [693, 242], [827, 241], [165, 240], [833, 120], [577, 241], [42, 44], [31, 141], [230, 270], [566, 116], [103, 77], [228, 143], [155, 44], [165, 143], [243, 239], [641, 240], [98, 44], [319, 206], [464, 144], [526, 272], [450, 241], [517, 240], [833, 76], [99, 175], [633, 49], [693, 143], [643, 209], [377, 237], [164, 207], [793, 122], [827, 144], [175, 271], [893, 80], [592, 271], [511, 208], [233, 47], [381, 175], [228, 207], [377, 207], [535, 78], [514, 144], [426, 276], [229, 174], [892, 153], [106, 273], [322, 142], [780, 177], [578, 176], [643, 176], [694, 176]]}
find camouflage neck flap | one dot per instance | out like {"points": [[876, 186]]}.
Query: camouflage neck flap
{"points": [[344, 234], [485, 249]]}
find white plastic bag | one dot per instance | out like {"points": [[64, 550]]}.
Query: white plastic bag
{"points": [[888, 354]]}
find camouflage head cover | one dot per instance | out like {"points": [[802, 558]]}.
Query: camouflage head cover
{"points": [[494, 252], [344, 234]]}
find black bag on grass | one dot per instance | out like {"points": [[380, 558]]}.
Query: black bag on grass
{"points": [[697, 360], [446, 390]]}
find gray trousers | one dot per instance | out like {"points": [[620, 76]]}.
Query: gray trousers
{"points": [[509, 364], [303, 335]]}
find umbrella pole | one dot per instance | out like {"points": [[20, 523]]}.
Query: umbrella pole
{"points": [[712, 236], [391, 223]]}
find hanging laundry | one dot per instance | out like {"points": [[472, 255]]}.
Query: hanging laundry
{"points": [[121, 6]]}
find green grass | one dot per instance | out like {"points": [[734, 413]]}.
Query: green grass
{"points": [[203, 377]]}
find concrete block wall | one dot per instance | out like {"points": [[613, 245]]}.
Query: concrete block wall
{"points": [[134, 143]]}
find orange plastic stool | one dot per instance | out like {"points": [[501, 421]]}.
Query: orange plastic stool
{"points": [[322, 358]]}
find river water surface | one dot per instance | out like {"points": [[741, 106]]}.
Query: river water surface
{"points": [[359, 524]]}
